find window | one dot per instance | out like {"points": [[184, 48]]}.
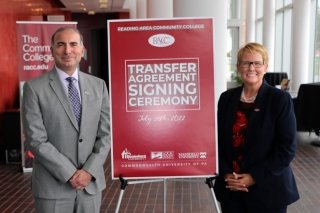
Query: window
{"points": [[259, 21], [316, 63], [232, 49], [234, 7], [234, 25], [282, 54]]}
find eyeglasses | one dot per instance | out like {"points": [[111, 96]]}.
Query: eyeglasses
{"points": [[246, 64]]}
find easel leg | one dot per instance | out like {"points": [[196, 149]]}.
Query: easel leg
{"points": [[210, 184], [164, 195], [124, 184]]}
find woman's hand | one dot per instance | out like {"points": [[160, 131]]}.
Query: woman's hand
{"points": [[239, 182]]}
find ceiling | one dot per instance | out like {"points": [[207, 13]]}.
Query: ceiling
{"points": [[75, 6], [93, 6]]}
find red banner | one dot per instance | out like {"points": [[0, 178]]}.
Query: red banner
{"points": [[162, 98], [34, 59]]}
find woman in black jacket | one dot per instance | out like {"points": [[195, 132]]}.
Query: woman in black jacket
{"points": [[256, 140]]}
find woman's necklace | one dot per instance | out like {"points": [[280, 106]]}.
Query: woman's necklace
{"points": [[247, 100]]}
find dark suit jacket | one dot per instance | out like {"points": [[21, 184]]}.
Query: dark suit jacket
{"points": [[269, 147], [52, 134]]}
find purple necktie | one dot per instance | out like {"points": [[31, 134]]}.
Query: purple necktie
{"points": [[74, 99]]}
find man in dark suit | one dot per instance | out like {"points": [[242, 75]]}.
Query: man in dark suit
{"points": [[70, 141]]}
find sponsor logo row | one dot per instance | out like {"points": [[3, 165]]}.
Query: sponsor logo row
{"points": [[162, 155]]}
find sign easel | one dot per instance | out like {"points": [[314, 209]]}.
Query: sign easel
{"points": [[125, 183], [162, 100]]}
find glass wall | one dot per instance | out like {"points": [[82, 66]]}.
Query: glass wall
{"points": [[283, 35], [282, 55], [233, 46], [259, 21], [234, 26], [234, 8], [316, 66]]}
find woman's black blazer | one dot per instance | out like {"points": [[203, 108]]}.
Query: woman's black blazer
{"points": [[269, 147]]}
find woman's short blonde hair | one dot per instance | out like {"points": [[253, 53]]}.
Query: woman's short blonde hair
{"points": [[253, 48]]}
